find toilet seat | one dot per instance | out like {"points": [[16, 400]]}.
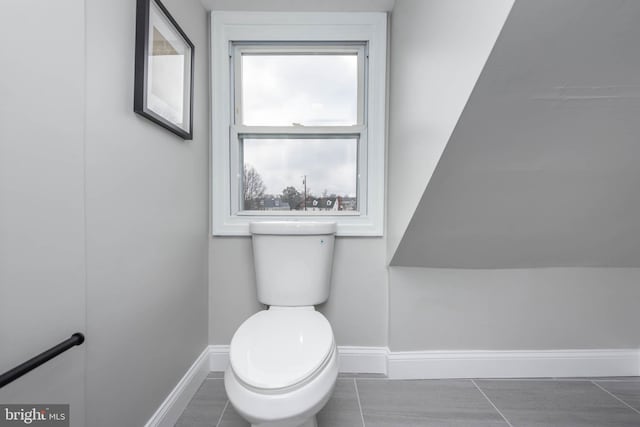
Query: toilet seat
{"points": [[281, 348]]}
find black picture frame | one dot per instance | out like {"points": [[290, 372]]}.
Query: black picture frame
{"points": [[149, 105]]}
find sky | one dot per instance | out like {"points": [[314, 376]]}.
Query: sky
{"points": [[329, 164], [307, 90]]}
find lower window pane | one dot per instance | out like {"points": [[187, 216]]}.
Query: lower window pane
{"points": [[311, 174]]}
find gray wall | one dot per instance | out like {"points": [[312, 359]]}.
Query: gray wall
{"points": [[147, 226], [438, 49], [42, 271], [542, 168], [539, 172], [357, 306], [516, 309], [99, 208], [455, 39]]}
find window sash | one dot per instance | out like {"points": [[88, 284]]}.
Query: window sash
{"points": [[237, 175], [300, 48]]}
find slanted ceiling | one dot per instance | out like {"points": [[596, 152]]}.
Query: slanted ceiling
{"points": [[543, 168]]}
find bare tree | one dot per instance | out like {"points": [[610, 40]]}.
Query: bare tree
{"points": [[253, 188]]}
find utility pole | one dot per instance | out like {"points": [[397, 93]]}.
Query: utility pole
{"points": [[304, 181]]}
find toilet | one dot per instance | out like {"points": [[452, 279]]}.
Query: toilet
{"points": [[284, 361]]}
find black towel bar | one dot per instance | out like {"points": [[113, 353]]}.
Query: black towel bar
{"points": [[45, 356]]}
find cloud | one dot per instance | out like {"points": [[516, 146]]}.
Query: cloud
{"points": [[309, 90], [279, 90]]}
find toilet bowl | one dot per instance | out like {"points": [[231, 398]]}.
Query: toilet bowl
{"points": [[283, 367], [283, 362]]}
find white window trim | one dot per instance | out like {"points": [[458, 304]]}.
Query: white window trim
{"points": [[302, 26]]}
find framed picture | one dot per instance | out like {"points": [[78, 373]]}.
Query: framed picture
{"points": [[163, 90]]}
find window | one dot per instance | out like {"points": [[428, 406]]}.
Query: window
{"points": [[298, 123], [298, 102]]}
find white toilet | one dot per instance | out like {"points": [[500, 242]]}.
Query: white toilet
{"points": [[284, 361]]}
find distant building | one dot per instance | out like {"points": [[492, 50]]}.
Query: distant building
{"points": [[348, 203], [274, 204], [331, 203]]}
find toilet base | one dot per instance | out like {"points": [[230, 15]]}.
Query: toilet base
{"points": [[311, 422], [294, 408]]}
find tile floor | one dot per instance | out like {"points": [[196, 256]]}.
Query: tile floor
{"points": [[374, 401]]}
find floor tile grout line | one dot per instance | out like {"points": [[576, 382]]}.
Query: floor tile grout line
{"points": [[492, 404], [548, 379], [615, 397], [222, 413], [355, 383]]}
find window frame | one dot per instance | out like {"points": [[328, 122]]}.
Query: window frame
{"points": [[240, 131], [233, 33]]}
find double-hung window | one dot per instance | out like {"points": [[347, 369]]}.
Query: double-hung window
{"points": [[298, 129]]}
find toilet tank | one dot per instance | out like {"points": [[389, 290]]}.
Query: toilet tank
{"points": [[293, 261]]}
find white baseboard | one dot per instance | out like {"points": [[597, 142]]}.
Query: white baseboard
{"points": [[352, 359], [172, 407], [474, 363], [513, 364], [218, 357], [370, 360]]}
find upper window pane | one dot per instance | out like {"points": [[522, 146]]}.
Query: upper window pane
{"points": [[299, 89]]}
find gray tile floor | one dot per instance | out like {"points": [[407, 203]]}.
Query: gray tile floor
{"points": [[374, 401]]}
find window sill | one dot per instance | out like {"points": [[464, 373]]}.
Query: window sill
{"points": [[297, 215], [348, 225]]}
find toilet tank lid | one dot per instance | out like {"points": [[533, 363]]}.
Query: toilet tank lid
{"points": [[292, 227]]}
